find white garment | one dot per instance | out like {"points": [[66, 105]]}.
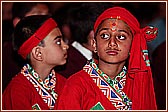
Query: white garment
{"points": [[84, 51]]}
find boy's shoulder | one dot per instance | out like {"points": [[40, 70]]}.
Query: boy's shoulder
{"points": [[18, 78], [19, 81], [80, 74], [78, 77]]}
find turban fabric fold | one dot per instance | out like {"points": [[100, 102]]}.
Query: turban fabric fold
{"points": [[139, 84]]}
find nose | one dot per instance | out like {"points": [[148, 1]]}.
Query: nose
{"points": [[112, 42], [65, 46]]}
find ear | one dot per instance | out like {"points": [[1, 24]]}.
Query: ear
{"points": [[93, 43], [91, 35], [91, 40], [15, 21], [37, 53]]}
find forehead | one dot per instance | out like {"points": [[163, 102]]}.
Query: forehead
{"points": [[53, 34], [56, 31], [114, 23], [39, 9]]}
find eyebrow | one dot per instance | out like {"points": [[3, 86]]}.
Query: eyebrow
{"points": [[111, 29], [57, 37]]}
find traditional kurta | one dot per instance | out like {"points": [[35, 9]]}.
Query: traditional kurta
{"points": [[22, 94], [82, 93]]}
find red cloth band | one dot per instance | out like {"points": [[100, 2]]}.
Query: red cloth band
{"points": [[126, 16], [120, 12], [38, 36]]}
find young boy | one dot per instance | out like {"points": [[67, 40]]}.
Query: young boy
{"points": [[121, 78], [37, 86], [19, 10]]}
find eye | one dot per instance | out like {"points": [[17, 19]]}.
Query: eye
{"points": [[58, 42], [105, 36], [121, 37]]}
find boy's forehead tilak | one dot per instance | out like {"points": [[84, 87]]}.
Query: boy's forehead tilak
{"points": [[113, 25]]}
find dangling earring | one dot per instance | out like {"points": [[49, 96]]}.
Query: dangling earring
{"points": [[129, 53]]}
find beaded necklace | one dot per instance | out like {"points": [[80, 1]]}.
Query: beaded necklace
{"points": [[46, 88], [116, 96]]}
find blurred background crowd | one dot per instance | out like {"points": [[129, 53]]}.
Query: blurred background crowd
{"points": [[66, 15]]}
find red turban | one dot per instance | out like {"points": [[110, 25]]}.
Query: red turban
{"points": [[38, 36], [142, 94]]}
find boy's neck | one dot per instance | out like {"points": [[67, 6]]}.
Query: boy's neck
{"points": [[111, 70], [42, 70]]}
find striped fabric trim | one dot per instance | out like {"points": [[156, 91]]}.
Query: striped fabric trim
{"points": [[49, 96], [112, 89]]}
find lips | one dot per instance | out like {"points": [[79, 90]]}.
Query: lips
{"points": [[65, 55], [112, 52]]}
